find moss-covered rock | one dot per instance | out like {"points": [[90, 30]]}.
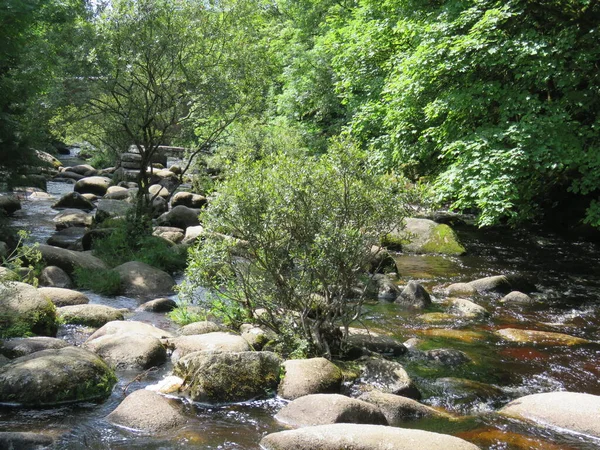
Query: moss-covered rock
{"points": [[424, 236], [54, 377], [230, 376], [24, 311], [310, 376], [91, 315]]}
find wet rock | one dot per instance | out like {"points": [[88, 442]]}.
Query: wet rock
{"points": [[54, 377], [149, 412], [130, 326], [373, 342], [93, 185], [572, 411], [23, 440], [503, 284], [91, 315], [361, 437], [24, 310], [63, 297], [381, 261], [68, 176], [73, 200], [460, 391], [437, 317], [425, 236], [516, 297], [414, 296], [17, 347], [203, 327], [459, 335], [69, 260], [69, 238], [73, 218], [158, 305], [309, 376], [398, 409], [386, 288], [447, 356], [539, 337], [229, 376], [140, 279], [110, 209], [322, 409], [129, 351], [168, 385], [180, 217], [386, 376], [465, 308], [9, 204], [460, 290], [81, 169], [188, 199], [216, 341]]}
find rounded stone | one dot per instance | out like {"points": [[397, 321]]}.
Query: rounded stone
{"points": [[91, 315], [63, 297], [24, 310], [17, 347], [93, 185], [202, 327], [398, 409], [129, 351], [216, 341], [130, 326], [53, 276], [139, 279], [309, 376], [539, 337]]}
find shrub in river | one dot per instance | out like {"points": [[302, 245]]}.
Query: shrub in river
{"points": [[299, 231]]}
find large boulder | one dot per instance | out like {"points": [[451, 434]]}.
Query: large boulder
{"points": [[63, 297], [572, 411], [54, 377], [17, 347], [370, 341], [93, 185], [73, 218], [386, 376], [188, 199], [425, 236], [53, 276], [129, 327], [218, 377], [139, 279], [362, 437], [73, 200], [69, 260], [129, 351], [398, 409], [69, 238], [148, 412], [24, 310], [215, 341], [90, 315], [309, 376], [503, 284], [180, 217], [322, 409], [9, 203], [539, 337], [414, 296]]}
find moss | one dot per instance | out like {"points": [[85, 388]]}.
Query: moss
{"points": [[444, 240], [41, 322]]}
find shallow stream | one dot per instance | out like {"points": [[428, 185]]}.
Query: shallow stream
{"points": [[566, 274]]}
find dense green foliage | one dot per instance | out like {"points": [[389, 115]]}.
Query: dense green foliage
{"points": [[287, 239], [103, 281]]}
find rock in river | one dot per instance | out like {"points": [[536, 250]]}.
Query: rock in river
{"points": [[139, 279], [539, 337], [54, 377], [309, 376], [24, 310]]}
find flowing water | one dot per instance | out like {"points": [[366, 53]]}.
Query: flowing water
{"points": [[567, 277]]}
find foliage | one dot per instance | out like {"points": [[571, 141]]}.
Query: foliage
{"points": [[101, 281], [288, 235], [24, 260], [130, 241], [184, 314]]}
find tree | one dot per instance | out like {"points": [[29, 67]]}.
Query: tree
{"points": [[166, 67], [288, 238]]}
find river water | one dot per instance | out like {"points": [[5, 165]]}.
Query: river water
{"points": [[567, 276]]}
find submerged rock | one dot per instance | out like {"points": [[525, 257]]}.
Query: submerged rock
{"points": [[309, 376], [539, 337], [149, 412], [447, 356], [24, 310], [361, 437], [322, 409], [386, 376], [54, 377], [229, 376], [571, 411]]}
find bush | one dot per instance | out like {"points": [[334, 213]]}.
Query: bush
{"points": [[101, 281], [302, 231], [24, 262]]}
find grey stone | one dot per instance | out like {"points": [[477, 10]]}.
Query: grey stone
{"points": [[398, 409], [53, 276], [309, 376], [180, 217], [73, 200], [139, 279], [17, 347], [389, 377], [63, 297], [129, 351], [215, 341], [93, 185], [69, 260], [414, 296], [91, 315]]}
